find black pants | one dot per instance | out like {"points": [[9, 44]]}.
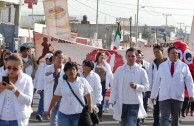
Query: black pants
{"points": [[185, 105]]}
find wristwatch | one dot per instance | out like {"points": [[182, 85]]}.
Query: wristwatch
{"points": [[14, 90]]}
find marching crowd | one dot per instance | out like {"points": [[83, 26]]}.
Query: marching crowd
{"points": [[64, 90]]}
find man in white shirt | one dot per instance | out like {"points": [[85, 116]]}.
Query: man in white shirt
{"points": [[39, 84], [172, 77], [29, 63], [94, 81], [130, 80]]}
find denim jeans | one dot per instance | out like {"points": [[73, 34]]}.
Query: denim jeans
{"points": [[103, 95], [170, 107], [40, 110], [129, 115], [54, 115], [68, 120], [156, 114], [8, 123]]}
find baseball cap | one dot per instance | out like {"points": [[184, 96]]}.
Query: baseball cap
{"points": [[48, 55], [23, 48]]}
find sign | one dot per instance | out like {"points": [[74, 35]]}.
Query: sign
{"points": [[57, 19]]}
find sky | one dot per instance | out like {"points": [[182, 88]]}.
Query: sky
{"points": [[151, 12]]}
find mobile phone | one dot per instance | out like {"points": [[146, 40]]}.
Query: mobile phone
{"points": [[6, 79]]}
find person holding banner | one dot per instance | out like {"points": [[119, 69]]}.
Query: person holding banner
{"points": [[103, 69]]}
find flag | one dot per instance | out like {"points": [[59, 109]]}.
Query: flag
{"points": [[117, 38]]}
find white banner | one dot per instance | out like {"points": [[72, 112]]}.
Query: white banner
{"points": [[57, 19]]}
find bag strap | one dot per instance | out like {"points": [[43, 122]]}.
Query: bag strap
{"points": [[74, 94]]}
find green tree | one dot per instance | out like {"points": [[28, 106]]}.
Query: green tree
{"points": [[146, 32], [40, 21]]}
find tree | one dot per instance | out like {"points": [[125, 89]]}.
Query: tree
{"points": [[41, 21], [146, 32]]}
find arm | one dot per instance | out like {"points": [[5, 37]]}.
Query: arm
{"points": [[114, 88], [54, 101], [156, 85], [189, 82], [48, 76], [98, 90], [150, 75], [144, 86], [89, 102]]}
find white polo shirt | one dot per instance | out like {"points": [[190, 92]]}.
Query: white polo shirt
{"points": [[69, 104]]}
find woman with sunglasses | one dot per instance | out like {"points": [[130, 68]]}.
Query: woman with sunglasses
{"points": [[103, 69], [4, 57], [16, 94]]}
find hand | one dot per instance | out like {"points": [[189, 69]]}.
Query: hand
{"points": [[39, 91], [98, 104], [2, 87], [48, 114], [153, 100], [48, 73], [90, 110], [9, 86], [191, 99], [133, 85]]}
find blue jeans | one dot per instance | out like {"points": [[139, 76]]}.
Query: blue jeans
{"points": [[68, 120], [8, 123], [103, 95], [54, 115], [129, 115], [40, 110]]}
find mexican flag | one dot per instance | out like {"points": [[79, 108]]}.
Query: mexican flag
{"points": [[117, 38]]}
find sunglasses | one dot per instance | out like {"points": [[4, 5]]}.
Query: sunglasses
{"points": [[12, 68]]}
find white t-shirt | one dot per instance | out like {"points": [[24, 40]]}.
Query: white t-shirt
{"points": [[28, 69], [69, 104]]}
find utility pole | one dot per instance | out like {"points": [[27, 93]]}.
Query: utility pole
{"points": [[180, 34], [180, 23], [137, 21], [97, 19], [185, 33], [166, 15], [130, 41]]}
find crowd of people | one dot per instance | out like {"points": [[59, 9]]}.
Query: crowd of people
{"points": [[64, 89]]}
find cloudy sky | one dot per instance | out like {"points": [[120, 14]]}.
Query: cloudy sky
{"points": [[151, 11]]}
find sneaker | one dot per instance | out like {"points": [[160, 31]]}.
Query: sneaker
{"points": [[39, 117]]}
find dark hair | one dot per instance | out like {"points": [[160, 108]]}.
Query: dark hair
{"points": [[139, 52], [15, 57], [98, 55], [132, 50], [158, 47], [5, 52], [171, 48], [69, 65], [88, 63], [58, 52]]}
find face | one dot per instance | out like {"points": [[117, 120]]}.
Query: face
{"points": [[47, 61], [101, 57], [71, 73], [59, 59], [131, 58], [173, 55], [139, 58], [86, 69], [13, 68], [25, 53], [158, 53]]}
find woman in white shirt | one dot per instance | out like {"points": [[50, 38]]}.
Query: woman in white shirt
{"points": [[70, 108], [16, 96], [4, 56]]}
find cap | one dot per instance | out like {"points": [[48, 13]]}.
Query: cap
{"points": [[23, 48], [49, 55]]}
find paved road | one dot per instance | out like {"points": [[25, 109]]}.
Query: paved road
{"points": [[108, 121]]}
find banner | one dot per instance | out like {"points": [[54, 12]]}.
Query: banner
{"points": [[76, 52], [57, 19]]}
